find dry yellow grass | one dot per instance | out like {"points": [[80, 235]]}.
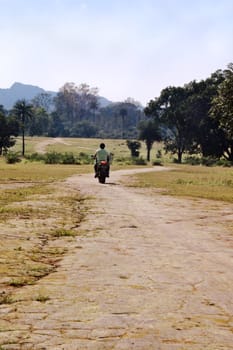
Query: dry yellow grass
{"points": [[34, 208], [192, 181]]}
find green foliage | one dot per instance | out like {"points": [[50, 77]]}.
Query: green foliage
{"points": [[35, 157], [222, 110], [119, 120], [134, 147], [12, 157], [8, 131], [54, 157], [149, 131], [23, 111], [207, 161], [184, 114], [192, 160], [68, 158], [139, 161]]}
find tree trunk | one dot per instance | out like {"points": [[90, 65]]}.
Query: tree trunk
{"points": [[148, 152], [179, 156], [23, 142]]}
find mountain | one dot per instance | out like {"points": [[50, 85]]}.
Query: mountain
{"points": [[19, 91]]}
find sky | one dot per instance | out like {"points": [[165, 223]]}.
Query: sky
{"points": [[125, 48]]}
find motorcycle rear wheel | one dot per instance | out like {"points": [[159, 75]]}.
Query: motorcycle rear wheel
{"points": [[102, 179]]}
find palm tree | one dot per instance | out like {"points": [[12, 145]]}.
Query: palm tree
{"points": [[23, 111], [123, 114]]}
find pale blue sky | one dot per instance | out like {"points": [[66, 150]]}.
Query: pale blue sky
{"points": [[126, 48]]}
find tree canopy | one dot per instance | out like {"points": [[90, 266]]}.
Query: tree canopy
{"points": [[222, 110], [197, 118]]}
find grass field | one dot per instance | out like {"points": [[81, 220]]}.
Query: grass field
{"points": [[76, 145], [194, 181], [191, 181]]}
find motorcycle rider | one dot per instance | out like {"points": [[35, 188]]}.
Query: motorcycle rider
{"points": [[101, 154]]}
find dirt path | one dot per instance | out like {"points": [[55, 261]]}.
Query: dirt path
{"points": [[151, 272], [41, 147]]}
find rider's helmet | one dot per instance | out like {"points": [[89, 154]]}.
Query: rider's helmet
{"points": [[102, 145]]}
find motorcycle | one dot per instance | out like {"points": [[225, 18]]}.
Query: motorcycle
{"points": [[102, 171]]}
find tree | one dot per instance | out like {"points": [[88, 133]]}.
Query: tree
{"points": [[8, 131], [207, 138], [40, 122], [23, 112], [149, 132], [83, 129], [113, 116], [170, 110], [56, 127], [123, 114], [132, 101], [75, 104], [222, 110], [43, 100]]}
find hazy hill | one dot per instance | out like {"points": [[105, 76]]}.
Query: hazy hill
{"points": [[19, 91]]}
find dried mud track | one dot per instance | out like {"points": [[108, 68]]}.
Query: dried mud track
{"points": [[151, 272]]}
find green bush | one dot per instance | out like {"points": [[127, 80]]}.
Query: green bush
{"points": [[139, 161], [52, 158], [192, 160], [225, 163], [157, 162], [84, 158], [68, 158], [209, 161], [12, 157], [38, 157]]}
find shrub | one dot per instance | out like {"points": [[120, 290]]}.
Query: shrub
{"points": [[52, 158], [134, 147], [35, 157], [208, 161], [68, 158], [157, 162], [224, 163], [139, 161], [12, 157], [192, 160], [84, 158]]}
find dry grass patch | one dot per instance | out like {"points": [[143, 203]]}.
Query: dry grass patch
{"points": [[38, 222], [191, 181]]}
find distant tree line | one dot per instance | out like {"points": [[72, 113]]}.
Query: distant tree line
{"points": [[196, 118], [74, 112]]}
